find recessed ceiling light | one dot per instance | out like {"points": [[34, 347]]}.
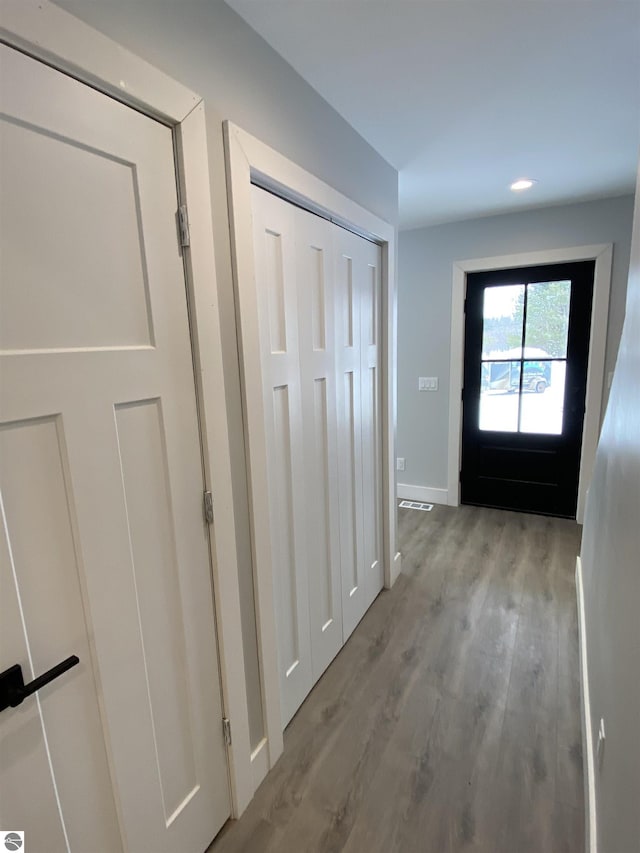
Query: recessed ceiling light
{"points": [[522, 184]]}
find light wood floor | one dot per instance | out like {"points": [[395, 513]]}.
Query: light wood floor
{"points": [[450, 721]]}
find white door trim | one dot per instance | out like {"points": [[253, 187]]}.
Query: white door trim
{"points": [[588, 758], [603, 256], [249, 160], [50, 34]]}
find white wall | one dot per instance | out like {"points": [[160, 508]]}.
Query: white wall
{"points": [[425, 260], [611, 580], [209, 48]]}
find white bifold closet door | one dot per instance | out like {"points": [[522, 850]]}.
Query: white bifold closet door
{"points": [[357, 290], [318, 295]]}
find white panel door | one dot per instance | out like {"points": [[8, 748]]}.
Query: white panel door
{"points": [[277, 298], [369, 282], [315, 287], [318, 296], [348, 290], [104, 549]]}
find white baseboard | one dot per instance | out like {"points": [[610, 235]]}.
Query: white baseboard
{"points": [[426, 494], [591, 833], [259, 763]]}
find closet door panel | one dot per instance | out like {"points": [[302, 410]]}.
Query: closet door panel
{"points": [[348, 264], [276, 292], [318, 377], [318, 293], [370, 277]]}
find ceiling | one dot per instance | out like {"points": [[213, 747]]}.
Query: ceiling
{"points": [[465, 96]]}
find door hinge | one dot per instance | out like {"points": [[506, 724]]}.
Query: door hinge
{"points": [[208, 507], [183, 222], [226, 730]]}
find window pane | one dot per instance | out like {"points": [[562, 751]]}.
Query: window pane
{"points": [[499, 396], [543, 397], [503, 313], [547, 319]]}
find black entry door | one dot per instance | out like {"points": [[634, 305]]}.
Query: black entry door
{"points": [[525, 374]]}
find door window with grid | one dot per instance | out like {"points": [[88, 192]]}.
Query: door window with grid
{"points": [[524, 357]]}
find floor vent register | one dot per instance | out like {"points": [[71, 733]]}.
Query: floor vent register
{"points": [[416, 505]]}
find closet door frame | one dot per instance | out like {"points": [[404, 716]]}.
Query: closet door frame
{"points": [[249, 161]]}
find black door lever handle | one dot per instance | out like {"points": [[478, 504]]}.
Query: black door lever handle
{"points": [[13, 690]]}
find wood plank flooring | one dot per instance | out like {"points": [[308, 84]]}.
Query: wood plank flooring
{"points": [[450, 721]]}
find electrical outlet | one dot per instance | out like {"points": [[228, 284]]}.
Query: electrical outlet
{"points": [[601, 741], [400, 463]]}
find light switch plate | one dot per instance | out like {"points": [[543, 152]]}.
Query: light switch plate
{"points": [[427, 383], [400, 463]]}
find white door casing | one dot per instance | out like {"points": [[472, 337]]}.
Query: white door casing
{"points": [[602, 254], [100, 434], [250, 161]]}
